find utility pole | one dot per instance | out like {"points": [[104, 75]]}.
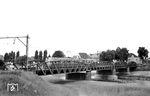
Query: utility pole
{"points": [[26, 45], [27, 49]]}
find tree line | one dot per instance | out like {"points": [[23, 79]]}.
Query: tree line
{"points": [[40, 56], [11, 56], [122, 54]]}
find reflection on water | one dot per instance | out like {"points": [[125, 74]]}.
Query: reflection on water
{"points": [[94, 75], [144, 73]]}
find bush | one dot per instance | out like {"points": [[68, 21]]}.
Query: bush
{"points": [[2, 65]]}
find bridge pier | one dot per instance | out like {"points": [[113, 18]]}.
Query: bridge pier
{"points": [[107, 74], [79, 76], [88, 75], [128, 71], [75, 76], [124, 71]]}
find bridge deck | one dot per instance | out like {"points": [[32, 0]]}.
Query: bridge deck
{"points": [[74, 67]]}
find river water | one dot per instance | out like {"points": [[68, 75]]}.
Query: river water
{"points": [[144, 73], [94, 75]]}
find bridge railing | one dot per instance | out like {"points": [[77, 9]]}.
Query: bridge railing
{"points": [[75, 66]]}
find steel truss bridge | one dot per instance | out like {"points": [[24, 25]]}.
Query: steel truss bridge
{"points": [[58, 67]]}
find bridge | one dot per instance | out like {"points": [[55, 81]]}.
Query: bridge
{"points": [[74, 68]]}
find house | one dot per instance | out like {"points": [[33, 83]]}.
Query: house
{"points": [[134, 58], [95, 56], [84, 55], [76, 57], [1, 57]]}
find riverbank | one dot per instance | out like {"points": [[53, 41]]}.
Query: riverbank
{"points": [[133, 77], [30, 84], [51, 85], [144, 67], [102, 88]]}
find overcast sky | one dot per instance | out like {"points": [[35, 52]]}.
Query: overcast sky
{"points": [[75, 25]]}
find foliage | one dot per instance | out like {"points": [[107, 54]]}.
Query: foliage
{"points": [[58, 54], [36, 55], [2, 65], [17, 54], [108, 55], [117, 56], [142, 53], [49, 55], [120, 54], [21, 60], [9, 57], [45, 55], [6, 57], [40, 56]]}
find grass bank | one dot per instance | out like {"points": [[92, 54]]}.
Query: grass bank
{"points": [[30, 84], [33, 85]]}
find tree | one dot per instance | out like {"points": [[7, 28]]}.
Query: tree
{"points": [[142, 53], [122, 54], [36, 55], [9, 57], [21, 60], [2, 65], [17, 54], [58, 54], [108, 55], [45, 55], [49, 55], [117, 56], [6, 57], [40, 56], [13, 56]]}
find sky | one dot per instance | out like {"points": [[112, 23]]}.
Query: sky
{"points": [[75, 26]]}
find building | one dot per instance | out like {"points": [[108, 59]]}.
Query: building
{"points": [[95, 56], [84, 55], [1, 57], [134, 58]]}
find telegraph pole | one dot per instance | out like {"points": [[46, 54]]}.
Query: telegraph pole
{"points": [[27, 49], [26, 45]]}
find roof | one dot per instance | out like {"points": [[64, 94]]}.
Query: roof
{"points": [[84, 55], [131, 54], [1, 57]]}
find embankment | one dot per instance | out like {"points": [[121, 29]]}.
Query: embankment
{"points": [[33, 85], [30, 84], [134, 77]]}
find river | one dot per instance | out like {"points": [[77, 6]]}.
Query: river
{"points": [[94, 75], [144, 73], [102, 88]]}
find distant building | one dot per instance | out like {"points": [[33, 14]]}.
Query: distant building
{"points": [[84, 55], [76, 57], [1, 57], [95, 56], [134, 58], [31, 60]]}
